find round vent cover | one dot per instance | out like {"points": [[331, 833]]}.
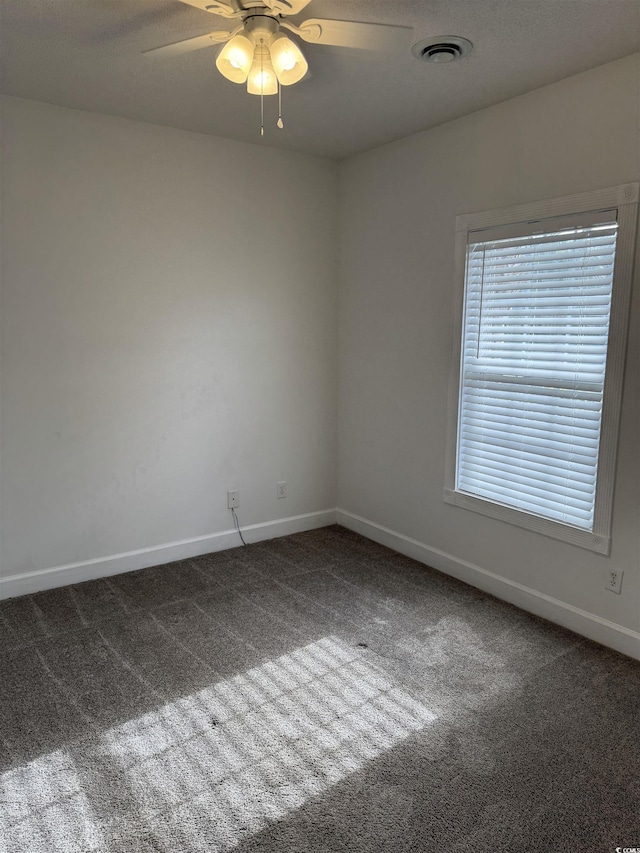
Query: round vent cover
{"points": [[442, 49]]}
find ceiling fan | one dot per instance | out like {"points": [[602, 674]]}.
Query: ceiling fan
{"points": [[259, 53]]}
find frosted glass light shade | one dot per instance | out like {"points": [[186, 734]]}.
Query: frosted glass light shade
{"points": [[235, 58], [288, 60], [262, 77]]}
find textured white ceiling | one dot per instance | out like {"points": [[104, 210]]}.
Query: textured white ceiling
{"points": [[87, 54]]}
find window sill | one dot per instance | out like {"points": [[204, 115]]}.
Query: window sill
{"points": [[554, 529]]}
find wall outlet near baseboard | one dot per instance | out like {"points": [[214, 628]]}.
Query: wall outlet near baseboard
{"points": [[281, 489], [614, 580], [233, 500]]}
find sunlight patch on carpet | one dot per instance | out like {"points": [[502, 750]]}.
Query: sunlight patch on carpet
{"points": [[44, 808], [210, 769]]}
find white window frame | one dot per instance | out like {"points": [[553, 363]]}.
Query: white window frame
{"points": [[625, 199]]}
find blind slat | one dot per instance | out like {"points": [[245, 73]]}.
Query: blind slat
{"points": [[533, 490], [544, 416], [553, 459], [523, 426], [514, 462]]}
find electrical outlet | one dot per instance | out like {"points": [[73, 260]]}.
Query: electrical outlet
{"points": [[281, 489], [233, 500], [614, 580]]}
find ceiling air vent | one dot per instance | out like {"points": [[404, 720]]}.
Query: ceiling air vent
{"points": [[442, 49]]}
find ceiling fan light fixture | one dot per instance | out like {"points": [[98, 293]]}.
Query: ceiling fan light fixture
{"points": [[235, 59], [288, 60], [257, 52], [262, 78]]}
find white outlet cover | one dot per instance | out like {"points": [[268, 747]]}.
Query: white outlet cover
{"points": [[609, 580]]}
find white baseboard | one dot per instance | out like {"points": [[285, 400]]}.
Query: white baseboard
{"points": [[587, 624], [159, 554]]}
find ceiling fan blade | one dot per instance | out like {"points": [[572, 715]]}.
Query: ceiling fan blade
{"points": [[187, 45], [226, 8], [286, 7], [352, 34]]}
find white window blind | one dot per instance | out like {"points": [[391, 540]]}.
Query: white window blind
{"points": [[535, 334]]}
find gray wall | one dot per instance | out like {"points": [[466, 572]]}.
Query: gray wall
{"points": [[168, 333], [399, 205]]}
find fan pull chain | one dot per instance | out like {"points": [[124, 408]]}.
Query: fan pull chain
{"points": [[261, 89], [280, 123]]}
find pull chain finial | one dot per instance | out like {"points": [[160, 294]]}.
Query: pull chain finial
{"points": [[280, 123]]}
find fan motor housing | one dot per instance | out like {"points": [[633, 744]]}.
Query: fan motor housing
{"points": [[442, 49]]}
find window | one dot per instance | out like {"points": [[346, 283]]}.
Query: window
{"points": [[538, 374]]}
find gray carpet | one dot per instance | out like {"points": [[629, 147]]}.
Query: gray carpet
{"points": [[313, 694]]}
